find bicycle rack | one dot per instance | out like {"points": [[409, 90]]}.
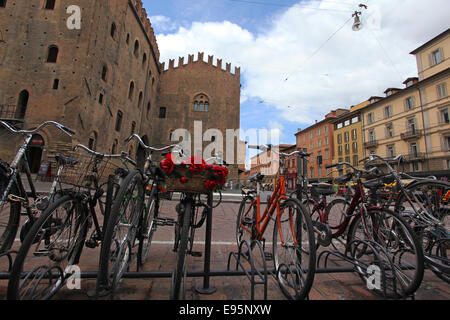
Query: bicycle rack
{"points": [[382, 260], [8, 254], [256, 276]]}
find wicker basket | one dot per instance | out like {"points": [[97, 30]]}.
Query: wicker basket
{"points": [[81, 174], [195, 182]]}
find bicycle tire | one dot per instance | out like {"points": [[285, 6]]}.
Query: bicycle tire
{"points": [[397, 242], [430, 235], [147, 226], [9, 211], [302, 256], [246, 229], [48, 229], [179, 272], [116, 247], [341, 214]]}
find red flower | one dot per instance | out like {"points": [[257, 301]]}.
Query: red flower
{"points": [[210, 185], [183, 180], [167, 165], [221, 173], [196, 164]]}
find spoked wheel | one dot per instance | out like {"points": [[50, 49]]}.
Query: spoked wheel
{"points": [[120, 233], [246, 221], [9, 213], [385, 241], [429, 198], [52, 246], [148, 225], [294, 250], [179, 274]]}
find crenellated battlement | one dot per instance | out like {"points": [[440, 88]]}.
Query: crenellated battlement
{"points": [[200, 59], [142, 13]]}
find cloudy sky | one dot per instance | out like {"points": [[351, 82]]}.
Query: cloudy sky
{"points": [[300, 59]]}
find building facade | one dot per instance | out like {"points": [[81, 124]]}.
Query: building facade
{"points": [[318, 141], [104, 79], [348, 140], [414, 121]]}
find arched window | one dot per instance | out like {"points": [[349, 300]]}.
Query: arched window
{"points": [[144, 59], [104, 72], [53, 52], [119, 120], [149, 106], [140, 100], [113, 30], [50, 4], [114, 147], [22, 104], [127, 40], [201, 103], [162, 112], [92, 144], [136, 48], [131, 91]]}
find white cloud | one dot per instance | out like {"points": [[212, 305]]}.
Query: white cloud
{"points": [[281, 65], [163, 24]]}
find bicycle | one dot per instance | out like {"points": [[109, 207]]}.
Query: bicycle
{"points": [[13, 194], [424, 205], [293, 244], [133, 217], [51, 250], [379, 236]]}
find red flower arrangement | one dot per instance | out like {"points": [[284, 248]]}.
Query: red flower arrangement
{"points": [[196, 165]]}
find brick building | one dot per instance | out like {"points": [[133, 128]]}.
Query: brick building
{"points": [[318, 142], [104, 80]]}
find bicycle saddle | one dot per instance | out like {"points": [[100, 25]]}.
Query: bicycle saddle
{"points": [[344, 178], [324, 189], [373, 184], [65, 161]]}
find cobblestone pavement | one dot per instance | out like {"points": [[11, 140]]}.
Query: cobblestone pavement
{"points": [[327, 286]]}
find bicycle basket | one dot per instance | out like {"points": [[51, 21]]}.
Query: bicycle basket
{"points": [[198, 179], [83, 175]]}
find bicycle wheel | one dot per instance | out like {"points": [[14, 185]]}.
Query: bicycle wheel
{"points": [[294, 250], [9, 212], [430, 198], [383, 241], [246, 221], [119, 236], [50, 250], [148, 225], [180, 271]]}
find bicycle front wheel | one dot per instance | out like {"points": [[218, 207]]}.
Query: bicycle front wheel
{"points": [[119, 236], [180, 271], [9, 213], [389, 255], [294, 250], [148, 225], [49, 251]]}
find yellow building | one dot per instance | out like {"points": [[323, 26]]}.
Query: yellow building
{"points": [[414, 121], [348, 139]]}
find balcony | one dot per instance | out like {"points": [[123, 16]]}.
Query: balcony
{"points": [[9, 113], [416, 156], [412, 134], [371, 144]]}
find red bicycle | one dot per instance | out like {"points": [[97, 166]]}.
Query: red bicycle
{"points": [[374, 235], [294, 253]]}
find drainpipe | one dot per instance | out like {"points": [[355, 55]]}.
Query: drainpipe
{"points": [[424, 130]]}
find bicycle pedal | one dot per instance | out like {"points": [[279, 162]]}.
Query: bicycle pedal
{"points": [[165, 222], [268, 256], [41, 253], [196, 254], [23, 213], [92, 244]]}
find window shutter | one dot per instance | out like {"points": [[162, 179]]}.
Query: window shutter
{"points": [[441, 52], [430, 59], [413, 100]]}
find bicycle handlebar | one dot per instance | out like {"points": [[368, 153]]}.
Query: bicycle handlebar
{"points": [[60, 126], [152, 149], [267, 147], [339, 164], [123, 155]]}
